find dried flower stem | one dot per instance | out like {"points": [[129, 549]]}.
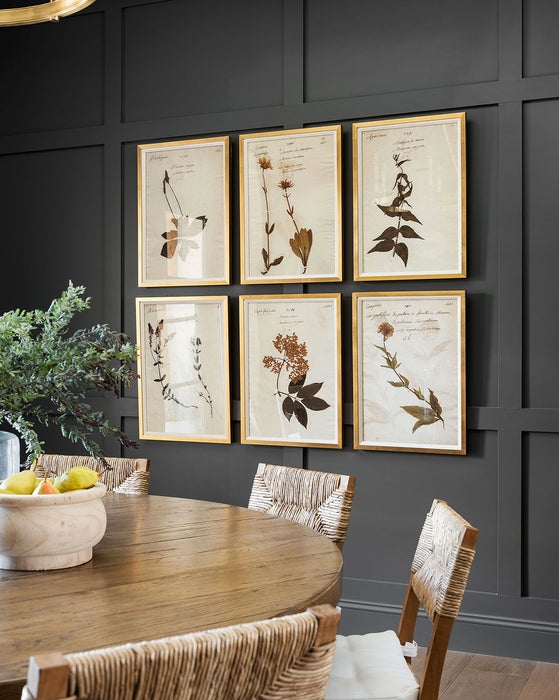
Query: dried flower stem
{"points": [[157, 346], [427, 415]]}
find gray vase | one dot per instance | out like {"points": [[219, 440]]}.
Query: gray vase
{"points": [[9, 454]]}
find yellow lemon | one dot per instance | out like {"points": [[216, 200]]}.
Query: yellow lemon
{"points": [[23, 482], [78, 477]]}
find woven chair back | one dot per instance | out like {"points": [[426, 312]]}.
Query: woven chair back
{"points": [[126, 475], [319, 500], [442, 560], [285, 657]]}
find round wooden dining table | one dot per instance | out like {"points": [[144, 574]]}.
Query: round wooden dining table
{"points": [[165, 566]]}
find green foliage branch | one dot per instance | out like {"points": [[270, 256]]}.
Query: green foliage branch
{"points": [[46, 371]]}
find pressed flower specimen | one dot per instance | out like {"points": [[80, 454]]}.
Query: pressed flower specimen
{"points": [[265, 164], [181, 238], [301, 243], [203, 393], [157, 344], [389, 239], [292, 361], [429, 411]]}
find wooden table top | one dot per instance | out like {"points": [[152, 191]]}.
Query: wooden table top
{"points": [[165, 566]]}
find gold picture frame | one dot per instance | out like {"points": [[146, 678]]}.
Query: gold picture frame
{"points": [[409, 198], [409, 377], [291, 370], [290, 203], [184, 212], [183, 364]]}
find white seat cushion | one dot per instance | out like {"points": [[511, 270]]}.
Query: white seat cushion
{"points": [[371, 667]]}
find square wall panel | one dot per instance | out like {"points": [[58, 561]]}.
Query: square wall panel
{"points": [[363, 48], [53, 221], [541, 252], [216, 57], [540, 55], [541, 544], [61, 64]]}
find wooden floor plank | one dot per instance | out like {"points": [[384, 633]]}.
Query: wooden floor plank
{"points": [[474, 684], [498, 664], [455, 663], [543, 683], [468, 676]]}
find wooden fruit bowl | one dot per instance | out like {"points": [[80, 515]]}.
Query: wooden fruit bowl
{"points": [[51, 531]]}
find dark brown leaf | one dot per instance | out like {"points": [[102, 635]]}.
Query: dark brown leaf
{"points": [[301, 413], [408, 216], [306, 392], [316, 404], [388, 210], [390, 232], [408, 232], [401, 250], [382, 247], [288, 407], [168, 249]]}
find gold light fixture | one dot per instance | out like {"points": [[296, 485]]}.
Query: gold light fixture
{"points": [[42, 12]]}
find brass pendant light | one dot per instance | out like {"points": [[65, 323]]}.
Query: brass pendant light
{"points": [[41, 12]]}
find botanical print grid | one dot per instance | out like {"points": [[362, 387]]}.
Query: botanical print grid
{"points": [[291, 205], [409, 199], [291, 370], [409, 372], [184, 378], [184, 218]]}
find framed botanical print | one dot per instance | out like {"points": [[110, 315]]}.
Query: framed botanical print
{"points": [[409, 371], [409, 198], [290, 184], [183, 385], [183, 212], [291, 370]]}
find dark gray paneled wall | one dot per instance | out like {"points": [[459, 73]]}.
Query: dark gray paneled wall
{"points": [[81, 94]]}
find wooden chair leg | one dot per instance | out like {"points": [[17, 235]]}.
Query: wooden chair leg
{"points": [[434, 660], [406, 628]]}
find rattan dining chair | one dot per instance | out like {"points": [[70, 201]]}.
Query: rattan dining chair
{"points": [[126, 475], [373, 665], [319, 500], [280, 658]]}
